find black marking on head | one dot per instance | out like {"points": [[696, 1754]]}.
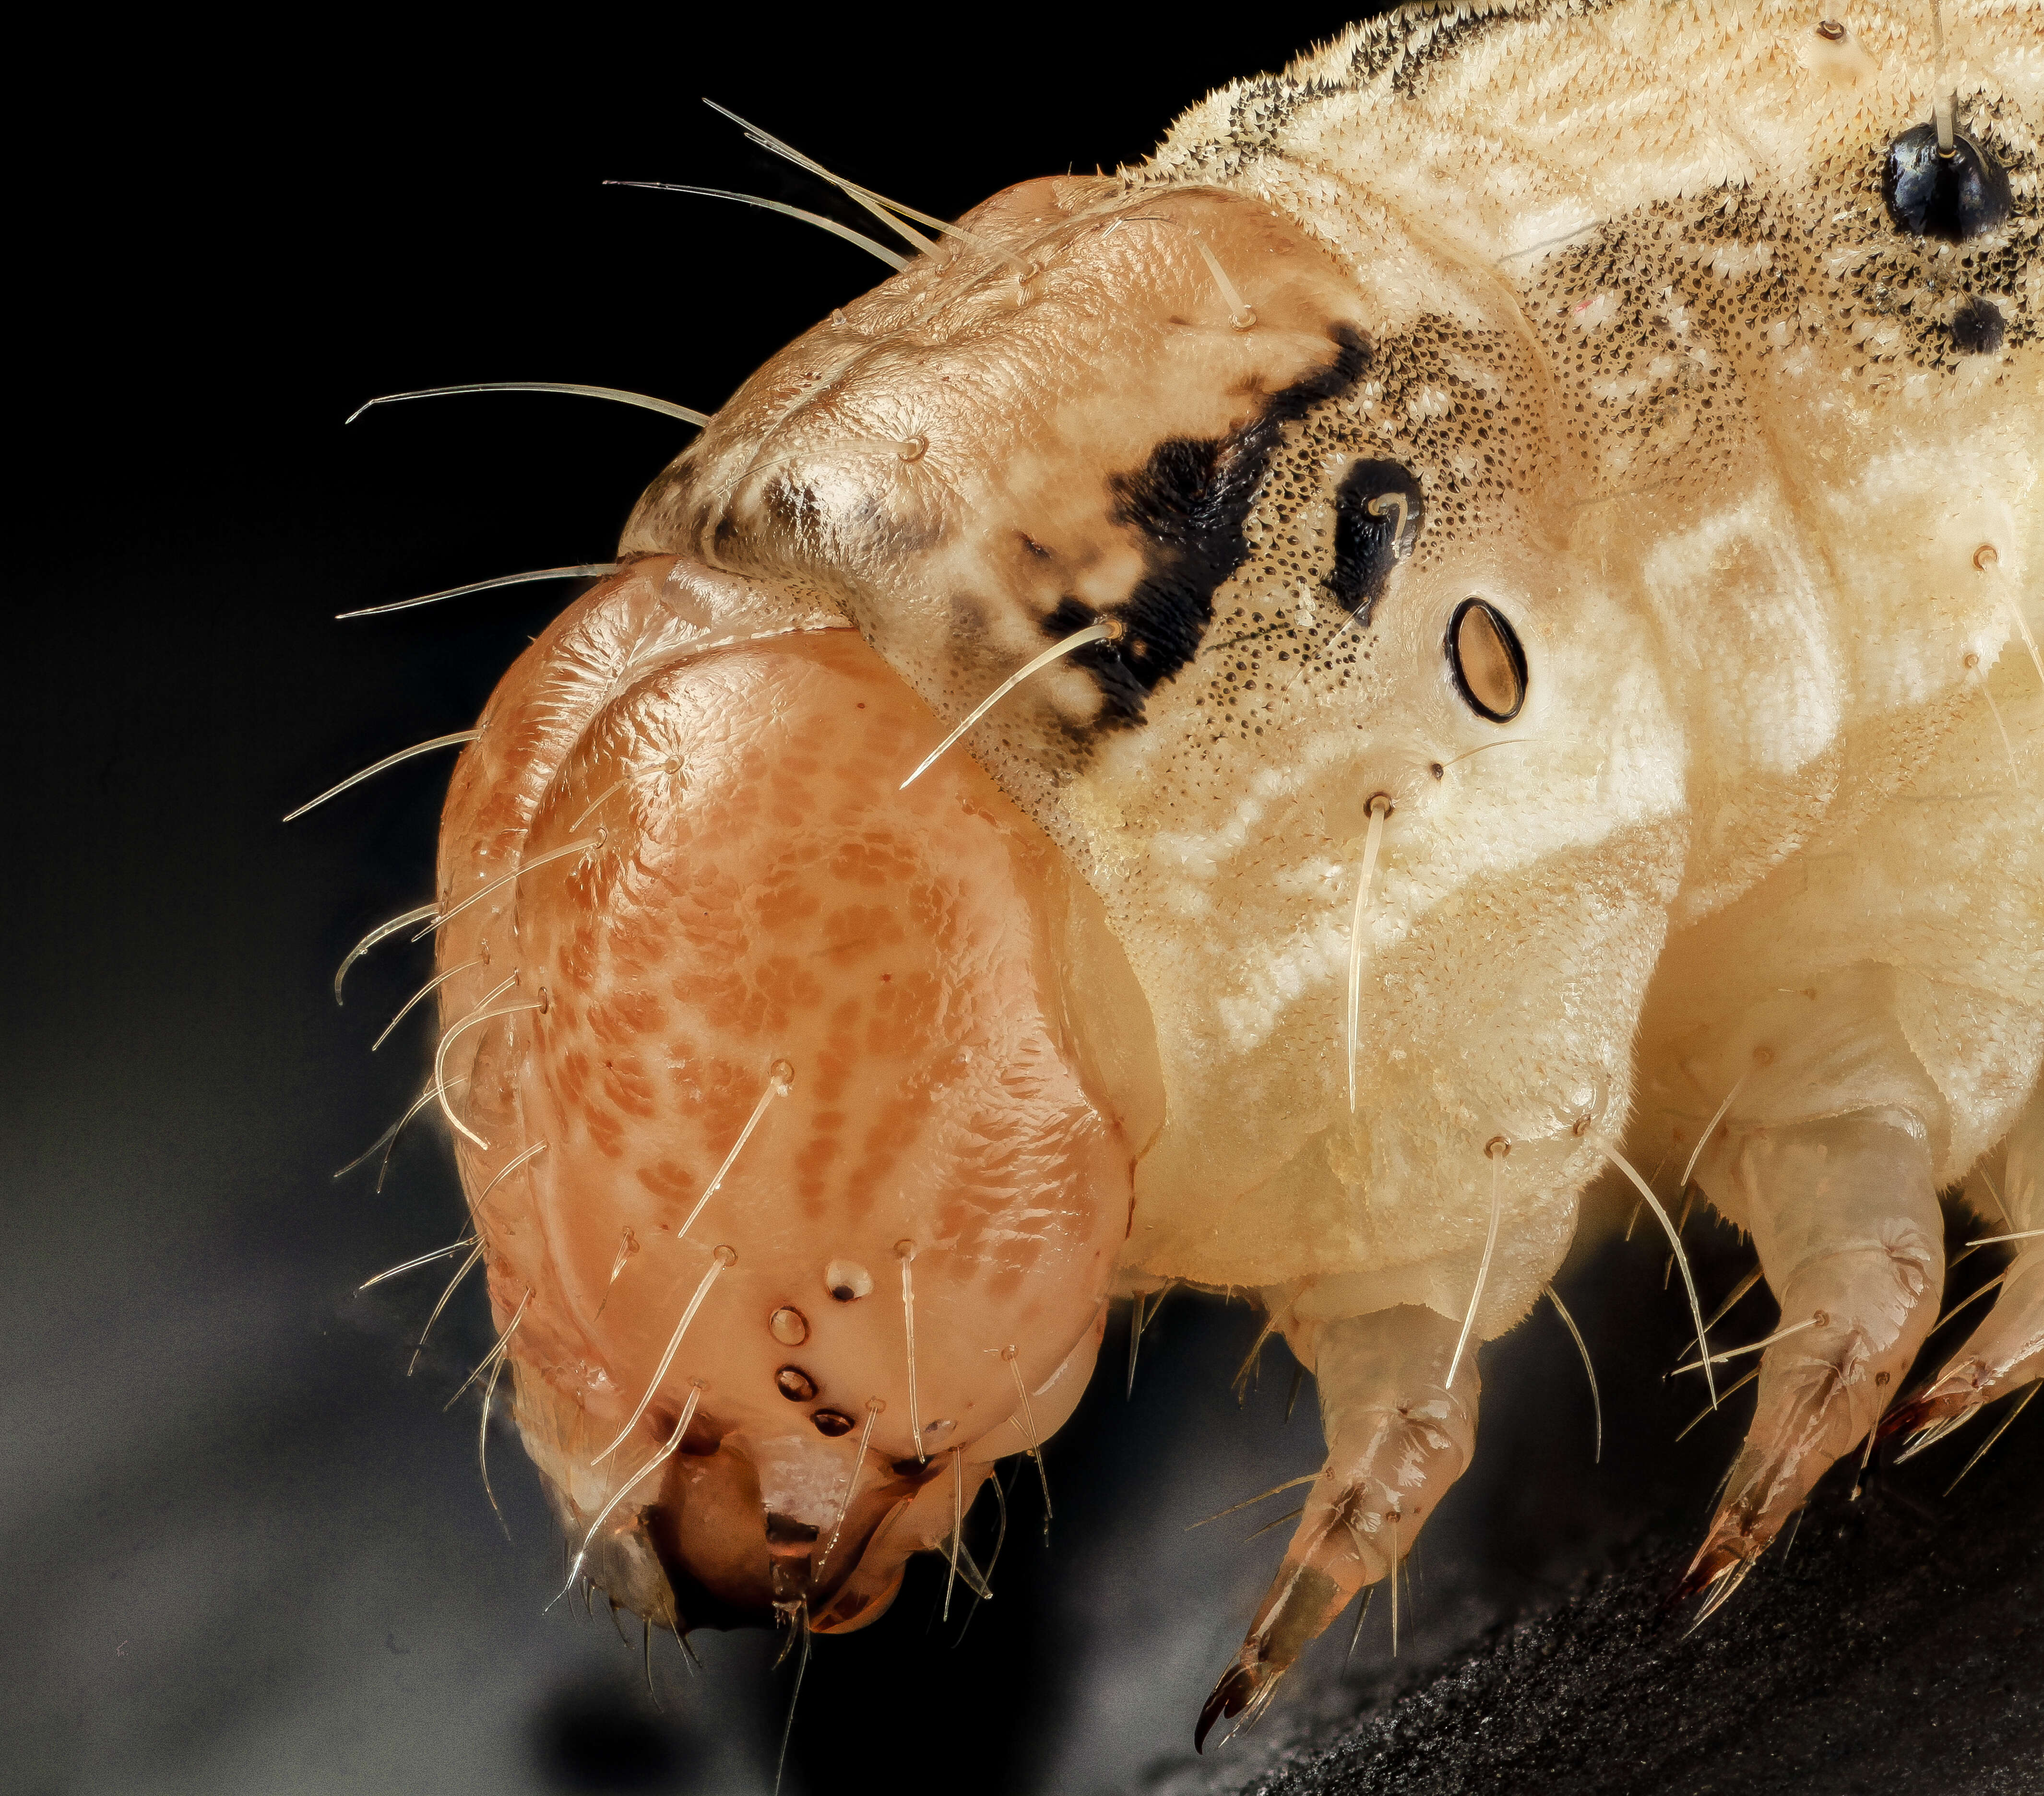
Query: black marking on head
{"points": [[1953, 197], [1368, 544], [1978, 327], [1190, 501]]}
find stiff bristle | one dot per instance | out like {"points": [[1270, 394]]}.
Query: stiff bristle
{"points": [[723, 1256], [1497, 1151], [1681, 1259], [617, 395], [376, 767], [1106, 632], [579, 570], [858, 238], [905, 1252]]}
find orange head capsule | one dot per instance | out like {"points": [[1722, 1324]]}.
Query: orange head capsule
{"points": [[799, 1017]]}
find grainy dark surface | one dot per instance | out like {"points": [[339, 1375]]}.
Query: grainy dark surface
{"points": [[1891, 1652]]}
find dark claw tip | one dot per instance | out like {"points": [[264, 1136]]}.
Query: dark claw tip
{"points": [[1712, 1563], [1904, 1418], [1231, 1696], [1944, 1398]]}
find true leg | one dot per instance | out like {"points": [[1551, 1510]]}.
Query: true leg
{"points": [[1846, 1217], [1397, 1437], [2006, 1352]]}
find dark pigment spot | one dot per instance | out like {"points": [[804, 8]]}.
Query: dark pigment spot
{"points": [[1978, 327], [1368, 546]]}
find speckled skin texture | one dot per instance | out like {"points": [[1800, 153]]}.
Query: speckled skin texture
{"points": [[1610, 296]]}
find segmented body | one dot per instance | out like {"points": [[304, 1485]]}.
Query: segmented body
{"points": [[1595, 317]]}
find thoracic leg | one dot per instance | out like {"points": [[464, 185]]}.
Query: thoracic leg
{"points": [[1846, 1217], [1397, 1437], [2006, 1351]]}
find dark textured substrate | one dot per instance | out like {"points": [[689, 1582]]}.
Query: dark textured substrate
{"points": [[1893, 1648]]}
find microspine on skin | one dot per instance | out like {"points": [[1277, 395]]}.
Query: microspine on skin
{"points": [[1497, 647]]}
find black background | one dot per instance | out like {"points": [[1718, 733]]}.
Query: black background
{"points": [[245, 1552]]}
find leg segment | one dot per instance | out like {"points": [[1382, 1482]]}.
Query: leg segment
{"points": [[1397, 1439], [1846, 1217], [2006, 1352]]}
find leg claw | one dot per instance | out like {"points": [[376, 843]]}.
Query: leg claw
{"points": [[1951, 1401], [1731, 1572], [1243, 1692]]}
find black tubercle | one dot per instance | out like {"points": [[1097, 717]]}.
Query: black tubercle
{"points": [[1978, 327], [1953, 197], [1369, 544], [1191, 501]]}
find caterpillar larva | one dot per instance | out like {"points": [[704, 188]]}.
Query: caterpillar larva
{"points": [[1258, 722]]}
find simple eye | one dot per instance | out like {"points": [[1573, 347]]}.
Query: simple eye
{"points": [[1955, 198], [1489, 665]]}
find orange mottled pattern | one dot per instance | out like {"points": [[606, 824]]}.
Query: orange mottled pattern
{"points": [[763, 893], [753, 925]]}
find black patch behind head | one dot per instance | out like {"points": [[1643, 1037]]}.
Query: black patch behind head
{"points": [[1369, 544], [1190, 501]]}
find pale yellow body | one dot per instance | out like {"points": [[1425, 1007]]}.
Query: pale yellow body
{"points": [[1752, 696]]}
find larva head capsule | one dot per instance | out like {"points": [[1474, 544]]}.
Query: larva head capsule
{"points": [[798, 1016]]}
